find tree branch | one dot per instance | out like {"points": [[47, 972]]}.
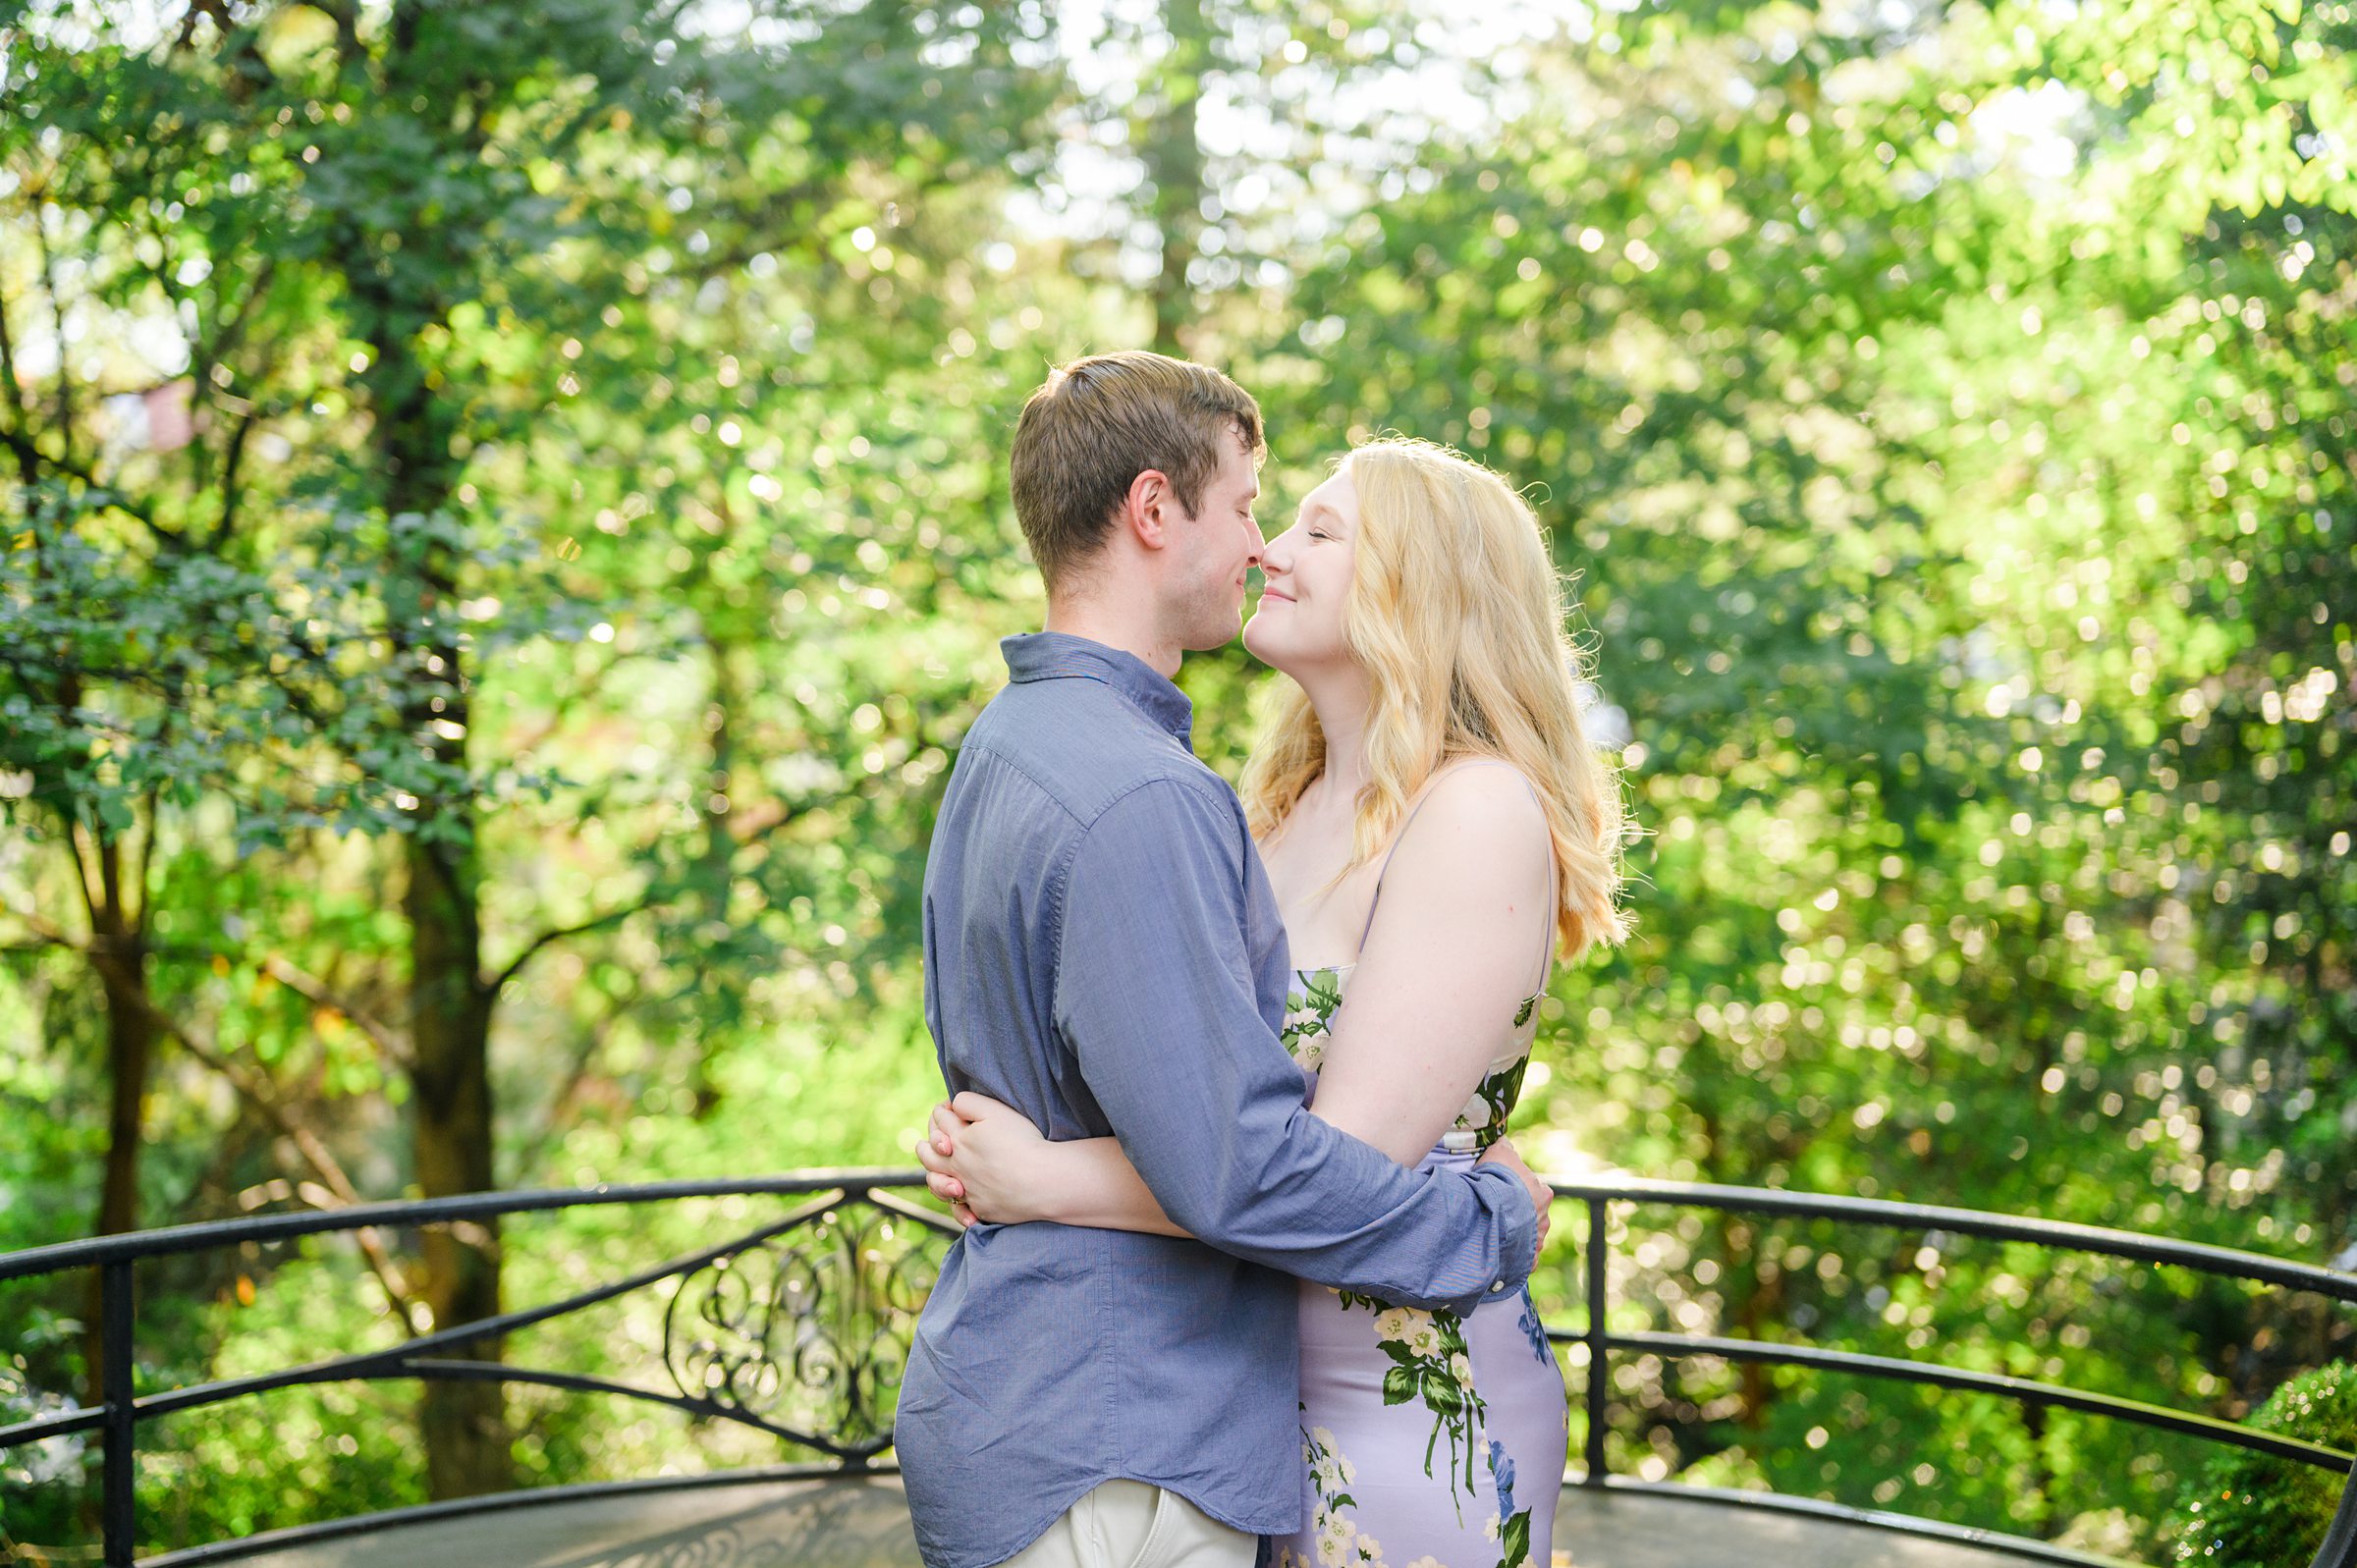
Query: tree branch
{"points": [[294, 978], [82, 871], [552, 1121], [57, 315], [315, 990], [256, 1091], [27, 458], [233, 460], [30, 455], [758, 831], [532, 947]]}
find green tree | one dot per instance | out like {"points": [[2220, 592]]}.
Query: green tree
{"points": [[1793, 325], [389, 189]]}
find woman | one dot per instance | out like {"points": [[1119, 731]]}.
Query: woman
{"points": [[1429, 749]]}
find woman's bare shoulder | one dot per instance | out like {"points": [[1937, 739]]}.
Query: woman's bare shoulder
{"points": [[1477, 817]]}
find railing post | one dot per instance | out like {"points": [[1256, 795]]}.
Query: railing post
{"points": [[1596, 1367], [120, 1478], [2339, 1549]]}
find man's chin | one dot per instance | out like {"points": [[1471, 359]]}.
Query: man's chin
{"points": [[1213, 635], [1217, 628]]}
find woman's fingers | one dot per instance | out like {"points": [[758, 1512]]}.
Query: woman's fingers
{"points": [[971, 1105], [940, 1174], [951, 1129], [947, 1124]]}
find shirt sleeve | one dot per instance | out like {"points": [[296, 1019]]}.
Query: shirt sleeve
{"points": [[1155, 998]]}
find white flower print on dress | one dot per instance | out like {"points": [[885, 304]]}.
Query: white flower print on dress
{"points": [[1338, 1542], [1428, 1386]]}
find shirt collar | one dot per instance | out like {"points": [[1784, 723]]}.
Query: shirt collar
{"points": [[1059, 655]]}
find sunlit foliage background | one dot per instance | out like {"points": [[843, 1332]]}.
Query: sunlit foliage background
{"points": [[515, 493]]}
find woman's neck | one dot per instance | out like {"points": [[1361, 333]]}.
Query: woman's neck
{"points": [[1340, 700]]}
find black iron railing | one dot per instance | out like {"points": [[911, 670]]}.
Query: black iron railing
{"points": [[800, 1329], [2338, 1550]]}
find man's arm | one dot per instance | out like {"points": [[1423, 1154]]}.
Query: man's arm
{"points": [[1155, 1000], [988, 1163]]}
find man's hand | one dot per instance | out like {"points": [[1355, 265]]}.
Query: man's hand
{"points": [[1504, 1152]]}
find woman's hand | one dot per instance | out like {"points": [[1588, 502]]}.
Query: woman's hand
{"points": [[936, 1152], [987, 1162]]}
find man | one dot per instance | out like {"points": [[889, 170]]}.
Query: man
{"points": [[1103, 953]]}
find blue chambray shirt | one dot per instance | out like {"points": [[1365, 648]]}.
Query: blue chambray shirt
{"points": [[1104, 953]]}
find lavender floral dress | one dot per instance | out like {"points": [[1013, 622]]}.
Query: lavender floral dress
{"points": [[1432, 1440]]}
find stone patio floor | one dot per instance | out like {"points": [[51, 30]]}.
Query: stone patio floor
{"points": [[862, 1523]]}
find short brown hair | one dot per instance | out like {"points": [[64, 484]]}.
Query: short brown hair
{"points": [[1096, 424]]}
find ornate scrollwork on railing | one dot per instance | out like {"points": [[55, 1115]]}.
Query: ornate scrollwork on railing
{"points": [[805, 1330]]}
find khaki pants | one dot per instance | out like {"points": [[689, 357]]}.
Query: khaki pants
{"points": [[1128, 1524]]}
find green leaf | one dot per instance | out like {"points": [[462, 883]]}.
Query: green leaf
{"points": [[1515, 1540]]}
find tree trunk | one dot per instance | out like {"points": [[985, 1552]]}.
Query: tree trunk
{"points": [[130, 1053], [451, 1123], [1175, 163], [131, 1040], [715, 861], [463, 1424]]}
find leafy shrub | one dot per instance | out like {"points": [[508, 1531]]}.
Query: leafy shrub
{"points": [[2254, 1511]]}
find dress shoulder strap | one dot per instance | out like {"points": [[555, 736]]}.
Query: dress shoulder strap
{"points": [[1554, 894], [1547, 950]]}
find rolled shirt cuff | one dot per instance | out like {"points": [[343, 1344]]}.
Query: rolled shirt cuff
{"points": [[1519, 1240]]}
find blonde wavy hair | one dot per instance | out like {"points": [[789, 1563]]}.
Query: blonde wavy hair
{"points": [[1456, 613]]}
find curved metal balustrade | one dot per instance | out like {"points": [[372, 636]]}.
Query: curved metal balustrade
{"points": [[2338, 1550], [800, 1329]]}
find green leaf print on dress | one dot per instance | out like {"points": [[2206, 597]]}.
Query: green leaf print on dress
{"points": [[1317, 996], [1430, 1364], [1492, 1102], [1514, 1536], [1309, 1010]]}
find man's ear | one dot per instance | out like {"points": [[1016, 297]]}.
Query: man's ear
{"points": [[1147, 510]]}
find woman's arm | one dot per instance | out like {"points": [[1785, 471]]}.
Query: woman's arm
{"points": [[989, 1164], [1020, 1177], [1461, 931], [1456, 944]]}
